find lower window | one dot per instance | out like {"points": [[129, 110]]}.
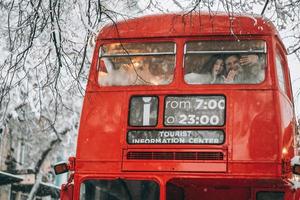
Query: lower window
{"points": [[269, 195], [119, 189]]}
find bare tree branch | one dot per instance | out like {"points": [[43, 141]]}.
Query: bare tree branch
{"points": [[265, 6]]}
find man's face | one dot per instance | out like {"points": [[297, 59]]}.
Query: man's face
{"points": [[232, 63]]}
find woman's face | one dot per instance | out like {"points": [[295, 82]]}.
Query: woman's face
{"points": [[218, 66]]}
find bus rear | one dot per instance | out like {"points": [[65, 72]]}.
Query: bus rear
{"points": [[199, 107]]}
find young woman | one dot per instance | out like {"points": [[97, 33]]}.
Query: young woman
{"points": [[212, 72]]}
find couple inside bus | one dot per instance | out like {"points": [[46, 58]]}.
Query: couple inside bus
{"points": [[205, 62], [231, 68]]}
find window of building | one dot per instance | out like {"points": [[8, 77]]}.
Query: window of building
{"points": [[1, 135], [21, 151]]}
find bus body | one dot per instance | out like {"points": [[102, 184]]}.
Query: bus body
{"points": [[159, 123]]}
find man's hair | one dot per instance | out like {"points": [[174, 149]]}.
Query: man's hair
{"points": [[209, 64], [229, 55]]}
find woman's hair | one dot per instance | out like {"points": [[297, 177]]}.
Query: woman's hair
{"points": [[208, 66]]}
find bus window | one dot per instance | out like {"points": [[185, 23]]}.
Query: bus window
{"points": [[270, 195], [124, 64], [174, 192], [119, 189], [225, 62], [280, 72]]}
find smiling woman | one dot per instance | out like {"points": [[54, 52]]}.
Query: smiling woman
{"points": [[225, 62]]}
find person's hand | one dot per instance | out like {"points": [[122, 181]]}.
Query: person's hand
{"points": [[215, 72], [230, 76], [249, 59]]}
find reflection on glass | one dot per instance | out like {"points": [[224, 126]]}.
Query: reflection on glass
{"points": [[225, 62], [216, 45], [134, 48], [270, 195], [174, 192], [143, 111], [136, 64], [119, 189]]}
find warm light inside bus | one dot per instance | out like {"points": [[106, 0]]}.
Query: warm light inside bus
{"points": [[124, 64], [225, 62]]}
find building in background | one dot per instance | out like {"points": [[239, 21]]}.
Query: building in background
{"points": [[16, 179]]}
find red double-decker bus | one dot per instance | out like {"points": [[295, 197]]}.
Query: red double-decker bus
{"points": [[186, 107]]}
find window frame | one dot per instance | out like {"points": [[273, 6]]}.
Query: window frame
{"points": [[99, 56], [280, 73], [110, 178], [265, 52], [280, 52]]}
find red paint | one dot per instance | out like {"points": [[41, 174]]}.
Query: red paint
{"points": [[259, 118]]}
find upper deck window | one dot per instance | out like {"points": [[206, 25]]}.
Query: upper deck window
{"points": [[280, 72], [124, 64], [225, 62]]}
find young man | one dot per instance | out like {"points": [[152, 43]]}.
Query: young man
{"points": [[243, 69]]}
